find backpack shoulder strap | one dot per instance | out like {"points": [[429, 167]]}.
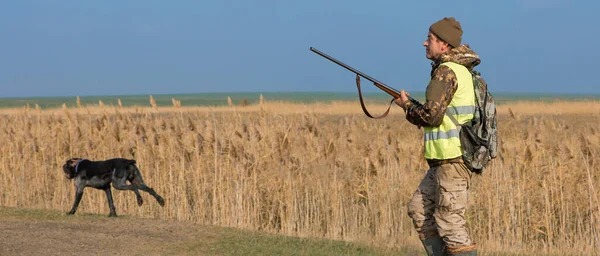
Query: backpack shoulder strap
{"points": [[453, 120]]}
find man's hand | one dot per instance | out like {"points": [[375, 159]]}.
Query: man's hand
{"points": [[403, 99]]}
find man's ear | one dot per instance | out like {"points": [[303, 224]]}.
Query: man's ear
{"points": [[446, 46]]}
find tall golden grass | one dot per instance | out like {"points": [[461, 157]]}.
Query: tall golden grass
{"points": [[314, 170]]}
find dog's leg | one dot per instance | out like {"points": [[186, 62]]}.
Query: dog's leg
{"points": [[111, 205], [119, 181], [119, 178], [78, 195], [140, 200], [138, 182], [151, 191]]}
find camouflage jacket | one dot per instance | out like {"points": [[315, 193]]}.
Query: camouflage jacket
{"points": [[441, 88]]}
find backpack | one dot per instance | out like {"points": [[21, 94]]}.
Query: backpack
{"points": [[479, 137]]}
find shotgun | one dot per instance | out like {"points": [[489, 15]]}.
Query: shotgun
{"points": [[389, 90]]}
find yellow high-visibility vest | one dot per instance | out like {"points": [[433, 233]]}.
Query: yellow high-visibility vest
{"points": [[443, 142]]}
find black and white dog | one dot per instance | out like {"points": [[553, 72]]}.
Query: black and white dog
{"points": [[100, 174]]}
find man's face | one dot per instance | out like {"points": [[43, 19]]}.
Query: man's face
{"points": [[434, 47]]}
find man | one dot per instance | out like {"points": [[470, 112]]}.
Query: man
{"points": [[438, 206]]}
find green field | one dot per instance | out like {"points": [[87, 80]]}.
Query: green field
{"points": [[241, 98]]}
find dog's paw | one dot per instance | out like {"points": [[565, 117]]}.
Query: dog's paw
{"points": [[140, 201], [112, 214], [161, 201], [70, 212]]}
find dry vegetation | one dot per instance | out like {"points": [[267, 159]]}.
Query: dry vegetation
{"points": [[320, 170]]}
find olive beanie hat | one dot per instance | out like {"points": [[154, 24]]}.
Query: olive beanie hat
{"points": [[449, 30]]}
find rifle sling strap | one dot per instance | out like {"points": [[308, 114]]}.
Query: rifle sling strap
{"points": [[362, 104]]}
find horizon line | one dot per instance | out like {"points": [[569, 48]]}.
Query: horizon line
{"points": [[289, 92]]}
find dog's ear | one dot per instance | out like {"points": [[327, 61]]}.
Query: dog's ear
{"points": [[73, 162]]}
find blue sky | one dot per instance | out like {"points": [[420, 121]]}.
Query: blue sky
{"points": [[79, 47]]}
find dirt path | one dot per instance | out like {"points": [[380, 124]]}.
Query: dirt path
{"points": [[55, 234]]}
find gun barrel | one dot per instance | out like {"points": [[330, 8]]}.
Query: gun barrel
{"points": [[391, 91]]}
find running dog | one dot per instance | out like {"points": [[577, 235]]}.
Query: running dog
{"points": [[100, 174]]}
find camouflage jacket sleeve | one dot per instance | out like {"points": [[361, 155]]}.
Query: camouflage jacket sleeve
{"points": [[438, 96]]}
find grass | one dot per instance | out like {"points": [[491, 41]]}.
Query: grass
{"points": [[236, 242], [200, 239]]}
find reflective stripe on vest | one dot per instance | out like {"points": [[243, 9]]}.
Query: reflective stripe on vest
{"points": [[443, 142]]}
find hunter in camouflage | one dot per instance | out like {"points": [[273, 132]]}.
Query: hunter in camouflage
{"points": [[441, 88], [438, 206]]}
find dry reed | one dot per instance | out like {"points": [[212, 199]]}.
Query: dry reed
{"points": [[314, 170]]}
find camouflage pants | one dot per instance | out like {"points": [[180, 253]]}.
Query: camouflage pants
{"points": [[439, 204]]}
